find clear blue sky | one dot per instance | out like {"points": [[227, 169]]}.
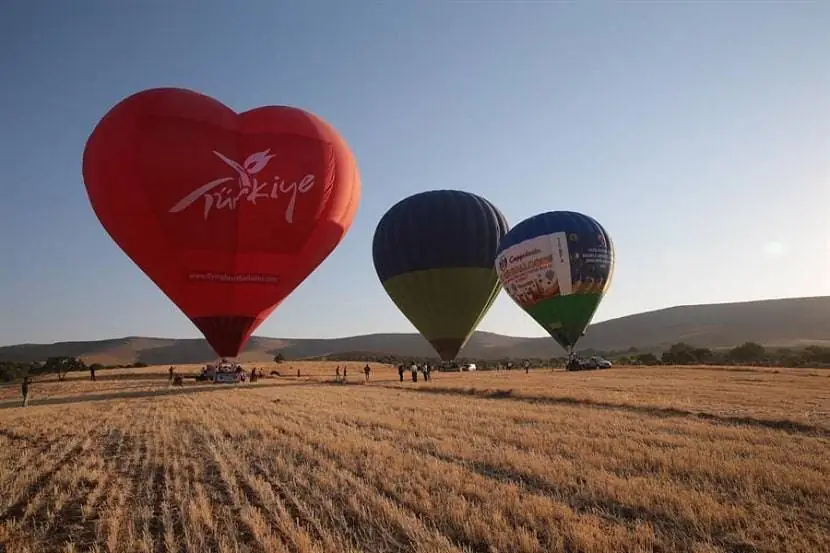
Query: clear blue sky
{"points": [[699, 135]]}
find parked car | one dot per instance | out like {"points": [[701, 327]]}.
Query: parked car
{"points": [[601, 363], [577, 363]]}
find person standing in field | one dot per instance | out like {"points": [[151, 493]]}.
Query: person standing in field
{"points": [[345, 375], [367, 371], [338, 374], [170, 372], [24, 387], [414, 370], [400, 371], [92, 373]]}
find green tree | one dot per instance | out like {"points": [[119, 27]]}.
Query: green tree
{"points": [[816, 355], [679, 354], [748, 352], [646, 359], [684, 354], [62, 365], [11, 370], [703, 356]]}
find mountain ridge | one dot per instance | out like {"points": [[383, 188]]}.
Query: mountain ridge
{"points": [[786, 322]]}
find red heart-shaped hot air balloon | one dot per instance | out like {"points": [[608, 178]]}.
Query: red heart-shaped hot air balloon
{"points": [[227, 213]]}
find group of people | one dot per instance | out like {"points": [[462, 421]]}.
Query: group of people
{"points": [[414, 369], [207, 372], [342, 376]]}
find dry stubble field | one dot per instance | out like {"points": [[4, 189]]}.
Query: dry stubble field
{"points": [[623, 460]]}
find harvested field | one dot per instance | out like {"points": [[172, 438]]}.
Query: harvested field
{"points": [[696, 460]]}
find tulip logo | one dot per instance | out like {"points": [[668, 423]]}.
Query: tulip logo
{"points": [[227, 192]]}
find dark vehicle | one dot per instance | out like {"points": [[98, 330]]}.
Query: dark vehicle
{"points": [[577, 363]]}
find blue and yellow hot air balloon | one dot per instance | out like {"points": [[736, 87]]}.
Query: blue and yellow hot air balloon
{"points": [[557, 266], [434, 253]]}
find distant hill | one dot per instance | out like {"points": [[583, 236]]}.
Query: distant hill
{"points": [[775, 323]]}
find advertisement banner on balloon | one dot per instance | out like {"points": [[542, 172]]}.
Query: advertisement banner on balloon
{"points": [[591, 263], [553, 265], [536, 269]]}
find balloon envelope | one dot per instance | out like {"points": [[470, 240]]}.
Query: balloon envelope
{"points": [[557, 266], [227, 213], [434, 254]]}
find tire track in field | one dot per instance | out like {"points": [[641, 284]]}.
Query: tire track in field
{"points": [[582, 499], [141, 487], [174, 536], [607, 509], [675, 527], [455, 431], [127, 528], [224, 485], [88, 534], [305, 529], [456, 530], [67, 524], [165, 530], [290, 535], [277, 519], [340, 520], [199, 529], [318, 451], [156, 525], [36, 489], [781, 425], [106, 525], [20, 460], [51, 497], [344, 505], [179, 479]]}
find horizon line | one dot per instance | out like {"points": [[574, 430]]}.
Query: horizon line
{"points": [[415, 331]]}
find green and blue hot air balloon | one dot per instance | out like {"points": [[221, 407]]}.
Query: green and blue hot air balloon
{"points": [[434, 253], [557, 266]]}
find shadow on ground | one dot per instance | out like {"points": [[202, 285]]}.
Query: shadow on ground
{"points": [[161, 392], [789, 426], [172, 391], [785, 425]]}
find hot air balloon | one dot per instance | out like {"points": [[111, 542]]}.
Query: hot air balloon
{"points": [[557, 266], [227, 213], [434, 254]]}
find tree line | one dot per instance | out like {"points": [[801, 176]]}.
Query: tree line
{"points": [[58, 366], [749, 353]]}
